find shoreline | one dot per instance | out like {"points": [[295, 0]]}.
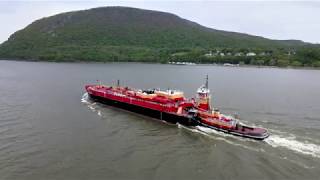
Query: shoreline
{"points": [[139, 62]]}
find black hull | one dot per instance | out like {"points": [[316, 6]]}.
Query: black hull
{"points": [[236, 133], [171, 118]]}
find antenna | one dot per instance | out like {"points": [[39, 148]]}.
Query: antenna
{"points": [[207, 82], [208, 96]]}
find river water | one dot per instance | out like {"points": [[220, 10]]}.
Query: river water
{"points": [[49, 129]]}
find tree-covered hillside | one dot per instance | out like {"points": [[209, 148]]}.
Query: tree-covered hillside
{"points": [[130, 34]]}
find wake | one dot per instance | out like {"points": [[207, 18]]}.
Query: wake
{"points": [[91, 105], [292, 144], [276, 139]]}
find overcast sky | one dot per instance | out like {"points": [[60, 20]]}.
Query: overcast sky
{"points": [[272, 19]]}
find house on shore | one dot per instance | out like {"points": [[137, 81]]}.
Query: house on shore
{"points": [[251, 54]]}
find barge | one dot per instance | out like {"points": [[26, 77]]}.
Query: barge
{"points": [[171, 106]]}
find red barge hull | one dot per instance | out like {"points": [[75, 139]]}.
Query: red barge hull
{"points": [[156, 111]]}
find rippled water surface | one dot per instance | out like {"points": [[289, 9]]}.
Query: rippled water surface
{"points": [[49, 129]]}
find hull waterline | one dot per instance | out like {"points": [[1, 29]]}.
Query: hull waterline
{"points": [[168, 117], [171, 106], [172, 118]]}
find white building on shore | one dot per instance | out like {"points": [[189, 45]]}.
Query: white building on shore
{"points": [[251, 54]]}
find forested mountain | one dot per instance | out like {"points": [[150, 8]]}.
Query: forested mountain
{"points": [[130, 34]]}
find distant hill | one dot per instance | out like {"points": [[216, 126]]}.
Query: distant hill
{"points": [[125, 34]]}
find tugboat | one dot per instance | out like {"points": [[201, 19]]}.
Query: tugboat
{"points": [[171, 106]]}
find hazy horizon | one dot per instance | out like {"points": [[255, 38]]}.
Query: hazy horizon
{"points": [[286, 20]]}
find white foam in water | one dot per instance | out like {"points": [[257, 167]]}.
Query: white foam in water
{"points": [[84, 98], [211, 131], [91, 105], [92, 108], [295, 145], [208, 132], [274, 140], [222, 134], [99, 113]]}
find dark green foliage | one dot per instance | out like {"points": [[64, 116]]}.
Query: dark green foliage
{"points": [[130, 34]]}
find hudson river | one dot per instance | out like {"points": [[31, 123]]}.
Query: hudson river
{"points": [[49, 129]]}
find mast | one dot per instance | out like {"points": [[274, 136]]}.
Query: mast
{"points": [[208, 95], [207, 82]]}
